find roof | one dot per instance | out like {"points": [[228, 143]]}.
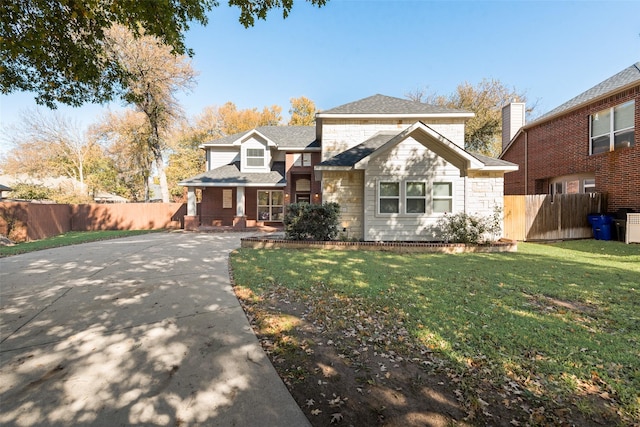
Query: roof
{"points": [[387, 105], [627, 77], [5, 188], [292, 137], [356, 157], [353, 155], [230, 175]]}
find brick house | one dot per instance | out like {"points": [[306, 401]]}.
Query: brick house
{"points": [[588, 144], [394, 166]]}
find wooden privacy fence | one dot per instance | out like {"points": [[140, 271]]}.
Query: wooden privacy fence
{"points": [[547, 217], [22, 221]]}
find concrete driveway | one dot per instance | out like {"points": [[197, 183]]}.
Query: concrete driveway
{"points": [[137, 331]]}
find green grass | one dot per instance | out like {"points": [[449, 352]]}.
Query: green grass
{"points": [[562, 320], [70, 238]]}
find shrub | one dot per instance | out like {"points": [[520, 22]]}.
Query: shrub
{"points": [[464, 228], [304, 221]]}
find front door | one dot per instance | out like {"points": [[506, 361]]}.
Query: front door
{"points": [[303, 198]]}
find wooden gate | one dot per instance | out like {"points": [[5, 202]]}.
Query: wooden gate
{"points": [[547, 217]]}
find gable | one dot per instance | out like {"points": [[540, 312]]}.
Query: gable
{"points": [[359, 156]]}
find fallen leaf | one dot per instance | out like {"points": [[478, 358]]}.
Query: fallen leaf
{"points": [[310, 402], [316, 412], [335, 418]]}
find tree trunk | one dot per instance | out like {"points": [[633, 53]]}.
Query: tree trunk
{"points": [[164, 186]]}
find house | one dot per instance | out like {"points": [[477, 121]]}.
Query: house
{"points": [[588, 144], [394, 166], [3, 188]]}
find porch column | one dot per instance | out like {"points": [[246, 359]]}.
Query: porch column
{"points": [[240, 201], [239, 221], [191, 219], [191, 201]]}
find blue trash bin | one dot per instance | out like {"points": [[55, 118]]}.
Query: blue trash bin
{"points": [[601, 225]]}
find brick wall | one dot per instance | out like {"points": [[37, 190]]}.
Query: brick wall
{"points": [[561, 147]]}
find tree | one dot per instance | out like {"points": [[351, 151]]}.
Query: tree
{"points": [[55, 48], [303, 112], [484, 131], [235, 121], [155, 76], [50, 145], [126, 136]]}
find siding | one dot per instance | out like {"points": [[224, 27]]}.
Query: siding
{"points": [[340, 135], [412, 160], [221, 156]]}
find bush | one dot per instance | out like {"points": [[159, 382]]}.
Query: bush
{"points": [[304, 221], [464, 228]]}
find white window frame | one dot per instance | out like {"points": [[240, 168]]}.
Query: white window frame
{"points": [[270, 205], [248, 157], [379, 197], [402, 197], [407, 197], [613, 132], [434, 198], [302, 160]]}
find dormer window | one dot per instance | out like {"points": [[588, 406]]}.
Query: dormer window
{"points": [[255, 157]]}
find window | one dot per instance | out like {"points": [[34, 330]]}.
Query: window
{"points": [[270, 205], [572, 184], [589, 185], [412, 197], [389, 197], [303, 159], [416, 197], [255, 157], [613, 128], [442, 197]]}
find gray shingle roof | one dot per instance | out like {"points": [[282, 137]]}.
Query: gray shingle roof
{"points": [[284, 136], [353, 155], [624, 78], [230, 175], [491, 161], [381, 104]]}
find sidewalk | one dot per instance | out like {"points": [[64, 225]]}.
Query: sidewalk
{"points": [[138, 331]]}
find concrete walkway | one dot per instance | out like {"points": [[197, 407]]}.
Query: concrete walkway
{"points": [[137, 331]]}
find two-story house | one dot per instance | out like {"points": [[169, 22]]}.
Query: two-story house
{"points": [[394, 166], [588, 144]]}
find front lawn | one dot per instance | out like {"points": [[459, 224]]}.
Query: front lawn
{"points": [[547, 335]]}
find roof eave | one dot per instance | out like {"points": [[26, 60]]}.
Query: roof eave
{"points": [[545, 119], [280, 148], [394, 116], [230, 184]]}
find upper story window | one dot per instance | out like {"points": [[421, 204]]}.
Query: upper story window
{"points": [[303, 159], [255, 157], [613, 128]]}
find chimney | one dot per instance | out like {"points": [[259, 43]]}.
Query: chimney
{"points": [[513, 118]]}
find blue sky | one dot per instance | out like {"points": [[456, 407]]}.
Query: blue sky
{"points": [[351, 49]]}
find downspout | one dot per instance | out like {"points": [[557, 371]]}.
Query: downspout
{"points": [[466, 190]]}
